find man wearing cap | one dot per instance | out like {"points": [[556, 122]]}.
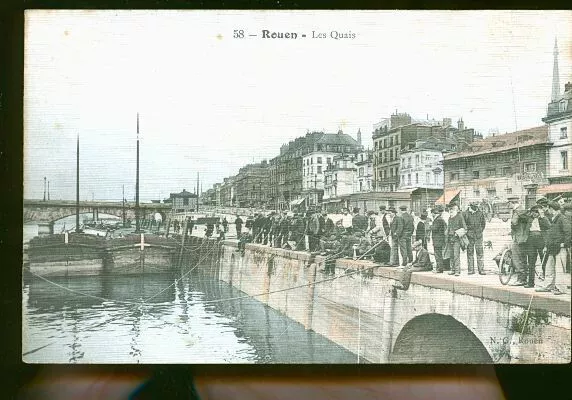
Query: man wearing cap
{"points": [[421, 263], [396, 230], [408, 229], [558, 236], [476, 223], [438, 234]]}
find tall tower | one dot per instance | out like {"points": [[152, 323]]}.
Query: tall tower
{"points": [[359, 137], [555, 74]]}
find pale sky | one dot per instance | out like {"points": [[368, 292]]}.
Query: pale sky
{"points": [[212, 104]]}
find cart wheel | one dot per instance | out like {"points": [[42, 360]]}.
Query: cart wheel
{"points": [[505, 267]]}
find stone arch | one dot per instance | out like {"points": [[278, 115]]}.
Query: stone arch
{"points": [[437, 338]]}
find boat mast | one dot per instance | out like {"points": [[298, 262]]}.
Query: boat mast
{"points": [[197, 192], [77, 230], [137, 228], [123, 206]]}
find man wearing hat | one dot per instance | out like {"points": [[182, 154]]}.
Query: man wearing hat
{"points": [[359, 221], [476, 223], [519, 229], [438, 231], [421, 263], [534, 243], [558, 237], [396, 230], [408, 228]]}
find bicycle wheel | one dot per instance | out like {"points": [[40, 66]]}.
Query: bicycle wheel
{"points": [[505, 267]]}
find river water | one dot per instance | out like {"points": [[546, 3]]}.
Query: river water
{"points": [[177, 318]]}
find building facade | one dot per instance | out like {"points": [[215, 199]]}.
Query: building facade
{"points": [[498, 167], [364, 166], [397, 133], [321, 155], [339, 182], [252, 185], [183, 201]]}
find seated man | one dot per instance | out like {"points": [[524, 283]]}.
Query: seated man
{"points": [[421, 263]]}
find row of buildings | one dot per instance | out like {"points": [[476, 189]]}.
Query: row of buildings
{"points": [[412, 162]]}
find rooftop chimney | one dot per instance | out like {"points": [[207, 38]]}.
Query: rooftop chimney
{"points": [[568, 87], [460, 124]]}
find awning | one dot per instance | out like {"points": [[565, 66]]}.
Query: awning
{"points": [[556, 188], [297, 202], [332, 200], [447, 196]]}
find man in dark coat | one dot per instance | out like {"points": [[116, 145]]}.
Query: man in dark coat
{"points": [[438, 234], [519, 229], [558, 237], [396, 230], [329, 226], [422, 263], [456, 222], [535, 243], [298, 229], [284, 230], [408, 228], [421, 230], [359, 221], [315, 230], [238, 224], [476, 223]]}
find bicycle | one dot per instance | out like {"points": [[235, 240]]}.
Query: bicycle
{"points": [[507, 269]]}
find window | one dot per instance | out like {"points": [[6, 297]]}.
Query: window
{"points": [[361, 171], [530, 167], [492, 192], [402, 179], [375, 146], [186, 201], [562, 107], [563, 132], [564, 157], [508, 190], [491, 172], [416, 160], [319, 169], [319, 160], [312, 170], [416, 178], [329, 160], [475, 174], [476, 192], [384, 143], [409, 162], [391, 141], [428, 177], [506, 171], [403, 162], [311, 160], [454, 176], [409, 179]]}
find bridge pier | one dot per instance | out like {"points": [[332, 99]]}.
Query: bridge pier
{"points": [[45, 228], [95, 214]]}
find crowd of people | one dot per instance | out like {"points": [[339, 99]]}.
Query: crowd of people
{"points": [[396, 237]]}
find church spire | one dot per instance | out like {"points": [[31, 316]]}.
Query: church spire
{"points": [[555, 74]]}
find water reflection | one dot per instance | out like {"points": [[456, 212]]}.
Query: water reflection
{"points": [[161, 319]]}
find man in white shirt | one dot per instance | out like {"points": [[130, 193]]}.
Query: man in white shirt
{"points": [[346, 219]]}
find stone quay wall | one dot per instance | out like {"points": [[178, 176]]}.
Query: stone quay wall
{"points": [[439, 319]]}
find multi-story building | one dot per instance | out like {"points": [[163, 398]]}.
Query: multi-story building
{"points": [[498, 167], [183, 201], [339, 182], [364, 166], [252, 185], [391, 137], [227, 192], [559, 121], [287, 179], [321, 154]]}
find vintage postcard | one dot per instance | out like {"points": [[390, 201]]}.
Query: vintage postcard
{"points": [[297, 187]]}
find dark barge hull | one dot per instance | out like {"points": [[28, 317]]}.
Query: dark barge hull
{"points": [[127, 257], [51, 256]]}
